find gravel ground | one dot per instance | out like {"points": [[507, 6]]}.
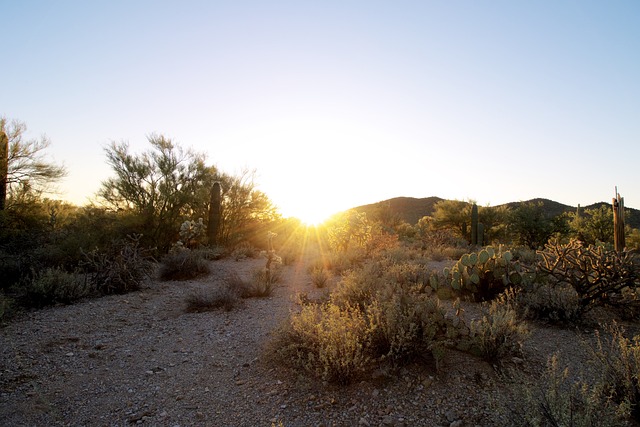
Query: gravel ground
{"points": [[141, 359]]}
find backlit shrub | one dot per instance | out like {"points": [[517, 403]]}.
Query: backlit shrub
{"points": [[553, 399], [54, 286], [320, 277], [121, 268], [618, 359], [183, 264], [327, 341], [499, 333]]}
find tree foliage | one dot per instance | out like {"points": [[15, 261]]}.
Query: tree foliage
{"points": [[593, 225], [454, 215], [347, 228], [529, 225], [245, 209], [161, 186], [28, 172]]}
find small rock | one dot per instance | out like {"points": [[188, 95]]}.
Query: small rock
{"points": [[163, 414], [457, 423], [375, 393], [451, 415], [388, 420], [363, 422], [69, 354], [240, 382]]}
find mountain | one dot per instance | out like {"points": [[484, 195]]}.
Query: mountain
{"points": [[411, 209], [408, 209]]}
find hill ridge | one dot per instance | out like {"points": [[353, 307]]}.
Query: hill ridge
{"points": [[411, 209]]}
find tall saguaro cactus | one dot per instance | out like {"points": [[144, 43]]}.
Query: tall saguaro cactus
{"points": [[215, 213], [618, 222], [4, 168], [474, 224]]}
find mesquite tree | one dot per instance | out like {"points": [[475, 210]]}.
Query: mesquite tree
{"points": [[161, 186], [23, 168]]}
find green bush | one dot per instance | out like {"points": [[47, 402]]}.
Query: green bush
{"points": [[499, 333], [120, 269], [183, 264], [54, 286]]}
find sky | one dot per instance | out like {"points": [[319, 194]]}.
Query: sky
{"points": [[337, 104]]}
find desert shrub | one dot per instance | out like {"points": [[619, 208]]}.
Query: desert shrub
{"points": [[499, 333], [319, 277], [599, 276], [211, 253], [54, 286], [399, 255], [237, 284], [6, 306], [617, 358], [358, 287], [556, 304], [327, 341], [183, 264], [436, 254], [121, 268], [554, 400], [352, 258], [244, 250], [405, 326], [525, 255], [208, 299], [454, 252], [407, 274], [262, 283]]}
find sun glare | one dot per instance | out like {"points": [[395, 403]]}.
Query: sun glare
{"points": [[308, 213], [312, 217]]}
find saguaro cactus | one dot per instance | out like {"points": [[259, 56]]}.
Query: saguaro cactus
{"points": [[215, 209], [474, 224], [618, 222], [4, 168]]}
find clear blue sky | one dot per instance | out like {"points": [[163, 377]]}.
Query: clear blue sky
{"points": [[340, 103]]}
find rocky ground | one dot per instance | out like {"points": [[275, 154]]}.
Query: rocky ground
{"points": [[142, 359]]}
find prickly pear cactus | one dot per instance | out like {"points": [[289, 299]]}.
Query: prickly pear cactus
{"points": [[486, 273]]}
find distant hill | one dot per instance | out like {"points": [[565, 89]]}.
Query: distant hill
{"points": [[411, 209]]}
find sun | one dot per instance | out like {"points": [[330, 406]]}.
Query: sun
{"points": [[308, 213], [312, 217]]}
